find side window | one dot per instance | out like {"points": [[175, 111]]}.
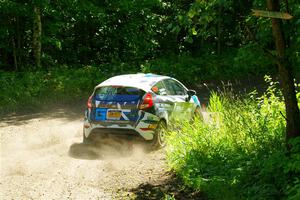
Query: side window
{"points": [[179, 90], [170, 89], [159, 88], [174, 88]]}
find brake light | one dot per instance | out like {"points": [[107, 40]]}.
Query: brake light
{"points": [[147, 102], [89, 102]]}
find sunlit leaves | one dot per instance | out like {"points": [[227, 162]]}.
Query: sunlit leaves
{"points": [[238, 152]]}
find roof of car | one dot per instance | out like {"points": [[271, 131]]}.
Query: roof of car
{"points": [[142, 81]]}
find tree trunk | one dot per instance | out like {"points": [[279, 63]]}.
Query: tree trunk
{"points": [[36, 37], [219, 30], [18, 45], [286, 76], [15, 54]]}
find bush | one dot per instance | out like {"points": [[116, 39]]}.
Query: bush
{"points": [[190, 69], [248, 60], [239, 153], [251, 59], [31, 90]]}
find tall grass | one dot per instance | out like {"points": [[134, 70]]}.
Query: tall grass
{"points": [[239, 152]]}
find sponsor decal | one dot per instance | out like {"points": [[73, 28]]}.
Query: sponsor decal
{"points": [[100, 114]]}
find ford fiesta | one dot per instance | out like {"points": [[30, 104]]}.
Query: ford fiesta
{"points": [[138, 105]]}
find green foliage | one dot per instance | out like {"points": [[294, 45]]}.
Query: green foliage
{"points": [[294, 33], [292, 167], [248, 60], [251, 59], [238, 153], [30, 90], [99, 32]]}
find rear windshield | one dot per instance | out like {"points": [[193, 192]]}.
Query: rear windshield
{"points": [[118, 93]]}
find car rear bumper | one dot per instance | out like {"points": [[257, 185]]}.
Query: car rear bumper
{"points": [[144, 127], [128, 130]]}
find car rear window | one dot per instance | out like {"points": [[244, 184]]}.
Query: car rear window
{"points": [[118, 93]]}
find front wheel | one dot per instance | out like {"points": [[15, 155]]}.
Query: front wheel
{"points": [[159, 136]]}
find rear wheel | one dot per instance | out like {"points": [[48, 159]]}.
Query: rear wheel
{"points": [[159, 136], [85, 140]]}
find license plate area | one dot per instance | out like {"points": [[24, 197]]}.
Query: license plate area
{"points": [[113, 114]]}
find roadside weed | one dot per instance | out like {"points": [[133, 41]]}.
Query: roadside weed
{"points": [[239, 153]]}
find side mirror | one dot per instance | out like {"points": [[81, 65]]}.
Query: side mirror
{"points": [[191, 93]]}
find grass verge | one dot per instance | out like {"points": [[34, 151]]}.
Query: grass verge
{"points": [[239, 153]]}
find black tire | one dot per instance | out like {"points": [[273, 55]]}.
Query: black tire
{"points": [[159, 136], [86, 140]]}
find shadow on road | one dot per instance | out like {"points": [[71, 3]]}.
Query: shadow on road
{"points": [[108, 148], [68, 112], [170, 188]]}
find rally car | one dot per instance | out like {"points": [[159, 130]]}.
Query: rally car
{"points": [[138, 105]]}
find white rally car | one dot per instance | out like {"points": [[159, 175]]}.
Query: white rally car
{"points": [[138, 105]]}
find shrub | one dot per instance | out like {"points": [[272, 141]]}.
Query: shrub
{"points": [[239, 153], [248, 60], [31, 90], [251, 59]]}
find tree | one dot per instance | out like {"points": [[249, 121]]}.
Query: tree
{"points": [[36, 36], [286, 76]]}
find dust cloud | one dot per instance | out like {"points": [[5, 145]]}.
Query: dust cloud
{"points": [[44, 158], [107, 148]]}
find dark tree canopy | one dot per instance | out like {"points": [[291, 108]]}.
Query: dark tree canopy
{"points": [[94, 32]]}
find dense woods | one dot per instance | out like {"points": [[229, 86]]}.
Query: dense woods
{"points": [[78, 33], [57, 51]]}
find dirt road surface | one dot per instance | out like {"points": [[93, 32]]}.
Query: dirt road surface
{"points": [[42, 158]]}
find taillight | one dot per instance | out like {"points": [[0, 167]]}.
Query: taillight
{"points": [[89, 102], [147, 101]]}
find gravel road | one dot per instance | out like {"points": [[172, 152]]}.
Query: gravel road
{"points": [[42, 158]]}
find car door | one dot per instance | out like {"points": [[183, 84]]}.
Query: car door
{"points": [[183, 107], [164, 104]]}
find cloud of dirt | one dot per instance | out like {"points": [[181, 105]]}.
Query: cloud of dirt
{"points": [[32, 148], [45, 158], [25, 149], [110, 148]]}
